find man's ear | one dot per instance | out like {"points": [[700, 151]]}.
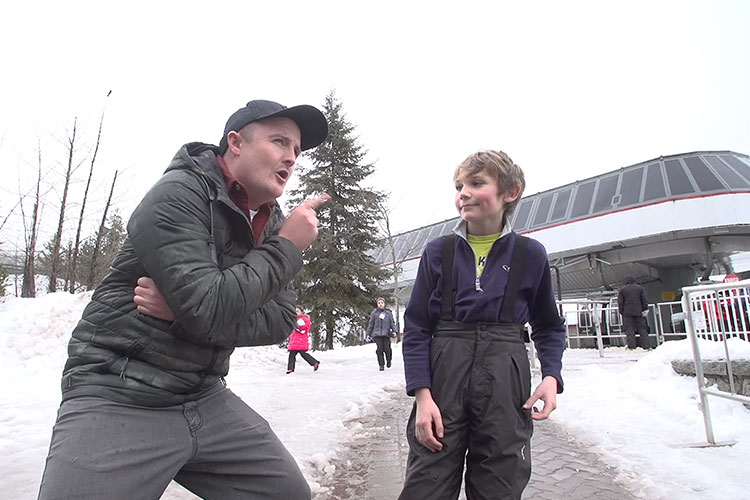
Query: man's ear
{"points": [[234, 139], [511, 194]]}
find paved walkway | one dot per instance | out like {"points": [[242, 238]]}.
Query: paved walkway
{"points": [[562, 468]]}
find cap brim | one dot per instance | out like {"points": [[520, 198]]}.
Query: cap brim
{"points": [[312, 124]]}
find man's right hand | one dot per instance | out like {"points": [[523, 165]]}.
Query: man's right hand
{"points": [[429, 422], [301, 226], [149, 300]]}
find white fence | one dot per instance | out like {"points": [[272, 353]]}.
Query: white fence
{"points": [[598, 324], [591, 323], [716, 313]]}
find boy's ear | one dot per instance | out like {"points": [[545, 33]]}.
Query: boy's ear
{"points": [[511, 194]]}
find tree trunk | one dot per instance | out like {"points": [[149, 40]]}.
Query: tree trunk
{"points": [[316, 336], [68, 285], [99, 236], [58, 235], [330, 329], [395, 267], [74, 257], [29, 283]]}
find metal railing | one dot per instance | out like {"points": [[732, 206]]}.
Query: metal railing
{"points": [[590, 323], [716, 313]]}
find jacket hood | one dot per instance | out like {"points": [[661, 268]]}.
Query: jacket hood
{"points": [[200, 159], [193, 156]]}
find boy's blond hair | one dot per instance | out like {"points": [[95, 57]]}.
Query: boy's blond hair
{"points": [[499, 166]]}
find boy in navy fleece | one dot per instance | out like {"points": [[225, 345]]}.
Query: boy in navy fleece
{"points": [[463, 349]]}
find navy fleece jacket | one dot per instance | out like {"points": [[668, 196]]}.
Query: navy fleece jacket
{"points": [[535, 304]]}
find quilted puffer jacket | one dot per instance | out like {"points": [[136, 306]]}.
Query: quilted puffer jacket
{"points": [[224, 290]]}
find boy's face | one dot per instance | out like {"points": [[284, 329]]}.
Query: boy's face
{"points": [[481, 203]]}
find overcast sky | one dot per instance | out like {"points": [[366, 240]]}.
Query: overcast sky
{"points": [[569, 89]]}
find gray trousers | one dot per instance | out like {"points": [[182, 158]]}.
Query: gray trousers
{"points": [[216, 447], [480, 381], [636, 325]]}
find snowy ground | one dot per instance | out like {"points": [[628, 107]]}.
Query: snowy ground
{"points": [[629, 406]]}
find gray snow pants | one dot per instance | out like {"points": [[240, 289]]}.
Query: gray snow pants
{"points": [[480, 381], [217, 447], [636, 325]]}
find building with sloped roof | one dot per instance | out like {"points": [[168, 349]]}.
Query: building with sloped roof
{"points": [[669, 221]]}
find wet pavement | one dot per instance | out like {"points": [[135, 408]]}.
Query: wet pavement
{"points": [[562, 467]]}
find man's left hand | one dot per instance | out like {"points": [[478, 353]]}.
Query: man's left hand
{"points": [[547, 392]]}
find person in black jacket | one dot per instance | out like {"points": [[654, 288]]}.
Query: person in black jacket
{"points": [[633, 307], [380, 329], [210, 257]]}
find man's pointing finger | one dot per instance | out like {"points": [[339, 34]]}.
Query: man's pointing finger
{"points": [[316, 202]]}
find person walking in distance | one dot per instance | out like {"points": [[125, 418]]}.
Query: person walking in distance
{"points": [[380, 329], [206, 267], [299, 343], [465, 359], [633, 307]]}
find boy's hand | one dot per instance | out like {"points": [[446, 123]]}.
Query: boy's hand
{"points": [[429, 423], [150, 301], [547, 392]]}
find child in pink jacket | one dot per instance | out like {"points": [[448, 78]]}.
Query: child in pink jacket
{"points": [[299, 343]]}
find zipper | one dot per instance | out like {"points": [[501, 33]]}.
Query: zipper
{"points": [[122, 372], [477, 277]]}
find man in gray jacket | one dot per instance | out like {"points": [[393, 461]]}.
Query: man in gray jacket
{"points": [[210, 256], [380, 329]]}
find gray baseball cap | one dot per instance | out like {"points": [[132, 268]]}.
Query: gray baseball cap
{"points": [[311, 122]]}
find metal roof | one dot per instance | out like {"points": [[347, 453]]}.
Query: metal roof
{"points": [[665, 178]]}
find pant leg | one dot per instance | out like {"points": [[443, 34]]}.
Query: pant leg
{"points": [[379, 351], [308, 357], [387, 350], [498, 463], [437, 475], [238, 455], [629, 327], [643, 339], [102, 449], [292, 360]]}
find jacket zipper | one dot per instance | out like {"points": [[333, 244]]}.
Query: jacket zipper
{"points": [[477, 277]]}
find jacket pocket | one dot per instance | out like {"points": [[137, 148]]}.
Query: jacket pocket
{"points": [[437, 348]]}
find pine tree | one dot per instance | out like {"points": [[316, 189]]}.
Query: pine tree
{"points": [[340, 280]]}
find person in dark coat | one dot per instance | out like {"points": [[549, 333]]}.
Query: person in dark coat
{"points": [[633, 307], [380, 329], [205, 268]]}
